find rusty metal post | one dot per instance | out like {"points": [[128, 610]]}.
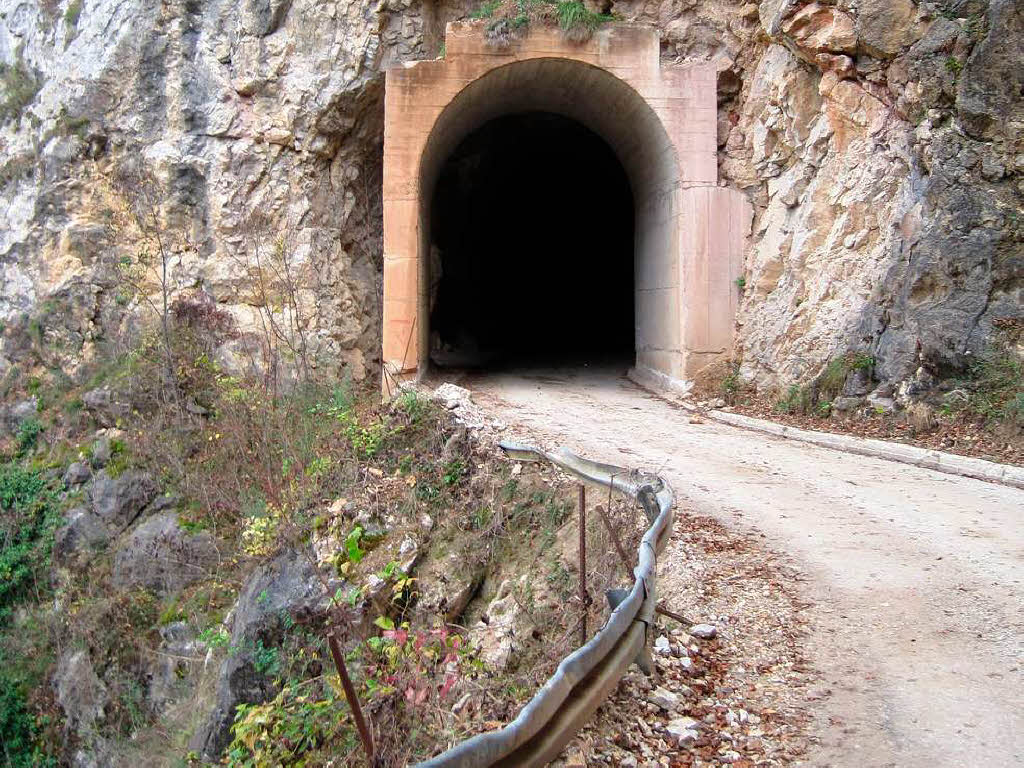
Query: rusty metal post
{"points": [[659, 608], [614, 536], [584, 597], [353, 701]]}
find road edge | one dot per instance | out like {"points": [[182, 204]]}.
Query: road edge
{"points": [[939, 461]]}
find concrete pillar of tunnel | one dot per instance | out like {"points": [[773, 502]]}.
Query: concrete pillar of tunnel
{"points": [[659, 120]]}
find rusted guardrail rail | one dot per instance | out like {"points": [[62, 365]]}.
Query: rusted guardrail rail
{"points": [[586, 676]]}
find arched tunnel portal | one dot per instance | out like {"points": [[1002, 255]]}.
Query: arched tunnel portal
{"points": [[556, 203]]}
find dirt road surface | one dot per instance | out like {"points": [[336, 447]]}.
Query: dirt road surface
{"points": [[914, 578]]}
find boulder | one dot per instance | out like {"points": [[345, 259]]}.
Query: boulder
{"points": [[160, 556], [821, 28], [446, 586], [81, 536], [13, 416], [846, 404], [118, 501], [80, 693], [101, 452], [77, 473], [451, 396], [106, 406], [287, 586], [498, 634], [886, 27]]}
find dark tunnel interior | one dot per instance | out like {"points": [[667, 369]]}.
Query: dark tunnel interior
{"points": [[531, 257]]}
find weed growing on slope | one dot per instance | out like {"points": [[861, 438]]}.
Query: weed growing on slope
{"points": [[30, 515], [993, 390], [815, 399], [510, 19], [19, 86]]}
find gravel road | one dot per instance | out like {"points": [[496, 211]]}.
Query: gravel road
{"points": [[913, 578]]}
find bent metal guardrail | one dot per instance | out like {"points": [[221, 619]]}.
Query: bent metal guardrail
{"points": [[586, 676]]}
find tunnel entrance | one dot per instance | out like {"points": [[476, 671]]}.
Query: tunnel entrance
{"points": [[531, 248], [509, 231]]}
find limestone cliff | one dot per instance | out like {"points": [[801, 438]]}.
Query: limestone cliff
{"points": [[880, 143]]}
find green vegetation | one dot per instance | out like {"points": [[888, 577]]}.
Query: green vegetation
{"points": [[301, 719], [816, 398], [577, 22], [19, 730], [261, 463], [741, 283], [19, 86], [72, 13], [993, 390], [28, 501], [71, 126], [509, 18], [30, 515]]}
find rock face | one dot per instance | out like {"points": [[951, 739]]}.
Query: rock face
{"points": [[114, 504], [505, 627], [259, 120], [884, 184], [879, 141]]}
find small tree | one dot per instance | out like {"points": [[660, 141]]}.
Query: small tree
{"points": [[142, 194]]}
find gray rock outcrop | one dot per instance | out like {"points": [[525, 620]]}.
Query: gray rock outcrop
{"points": [[160, 556], [83, 697], [287, 587], [118, 501], [81, 536]]}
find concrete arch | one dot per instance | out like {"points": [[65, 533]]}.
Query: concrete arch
{"points": [[659, 121], [592, 96]]}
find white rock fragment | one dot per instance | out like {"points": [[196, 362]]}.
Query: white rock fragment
{"points": [[682, 731], [662, 647], [664, 698], [460, 705], [452, 396], [704, 631]]}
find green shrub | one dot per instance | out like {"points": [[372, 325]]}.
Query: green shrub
{"points": [[302, 719], [28, 433], [19, 731], [72, 13], [414, 405], [816, 398], [30, 518], [576, 21], [996, 386], [20, 86]]}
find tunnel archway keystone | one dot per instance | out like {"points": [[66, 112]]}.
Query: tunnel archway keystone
{"points": [[660, 121]]}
